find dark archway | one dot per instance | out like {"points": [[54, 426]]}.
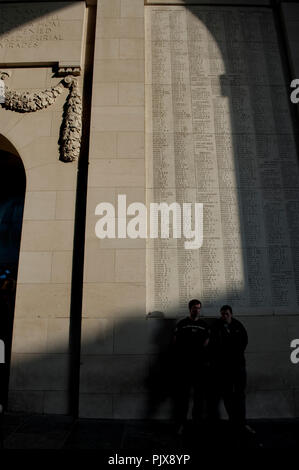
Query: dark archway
{"points": [[12, 196]]}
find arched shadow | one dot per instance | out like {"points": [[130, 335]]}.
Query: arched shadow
{"points": [[114, 377], [232, 106], [234, 97], [24, 14]]}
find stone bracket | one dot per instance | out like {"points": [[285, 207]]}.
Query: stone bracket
{"points": [[66, 69]]}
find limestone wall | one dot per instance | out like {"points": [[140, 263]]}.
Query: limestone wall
{"points": [[113, 364], [124, 366], [37, 36]]}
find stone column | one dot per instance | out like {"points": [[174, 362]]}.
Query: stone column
{"points": [[114, 329]]}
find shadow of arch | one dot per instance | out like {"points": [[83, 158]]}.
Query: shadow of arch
{"points": [[12, 195], [98, 361], [259, 149], [245, 149], [25, 14]]}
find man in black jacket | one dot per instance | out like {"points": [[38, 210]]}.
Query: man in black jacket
{"points": [[191, 337], [228, 368]]}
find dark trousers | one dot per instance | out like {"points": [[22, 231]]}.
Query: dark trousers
{"points": [[188, 381], [228, 384]]}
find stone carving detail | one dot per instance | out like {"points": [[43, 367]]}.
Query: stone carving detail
{"points": [[70, 139], [27, 102], [71, 128]]}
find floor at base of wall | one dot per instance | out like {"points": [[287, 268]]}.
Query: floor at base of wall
{"points": [[112, 437]]}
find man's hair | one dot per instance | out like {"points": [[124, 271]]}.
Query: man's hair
{"points": [[226, 307], [193, 302]]}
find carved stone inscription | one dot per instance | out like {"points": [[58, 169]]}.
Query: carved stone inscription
{"points": [[42, 32], [219, 132], [43, 28]]}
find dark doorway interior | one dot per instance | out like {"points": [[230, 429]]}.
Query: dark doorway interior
{"points": [[12, 195]]}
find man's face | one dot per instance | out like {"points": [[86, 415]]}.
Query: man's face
{"points": [[226, 316], [195, 311]]}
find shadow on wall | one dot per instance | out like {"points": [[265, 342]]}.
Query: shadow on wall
{"points": [[131, 372], [14, 15], [245, 166], [126, 368]]}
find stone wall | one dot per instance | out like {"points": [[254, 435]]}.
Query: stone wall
{"points": [[113, 363], [40, 350], [123, 348], [124, 362]]}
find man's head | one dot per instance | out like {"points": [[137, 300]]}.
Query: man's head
{"points": [[226, 313], [194, 308]]}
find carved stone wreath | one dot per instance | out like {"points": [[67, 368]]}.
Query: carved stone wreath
{"points": [[71, 127]]}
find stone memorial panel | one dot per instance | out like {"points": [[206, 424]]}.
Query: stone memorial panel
{"points": [[219, 132]]}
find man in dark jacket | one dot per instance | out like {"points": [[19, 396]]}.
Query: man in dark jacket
{"points": [[228, 368], [191, 337]]}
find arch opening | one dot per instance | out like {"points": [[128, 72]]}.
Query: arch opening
{"points": [[12, 196]]}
